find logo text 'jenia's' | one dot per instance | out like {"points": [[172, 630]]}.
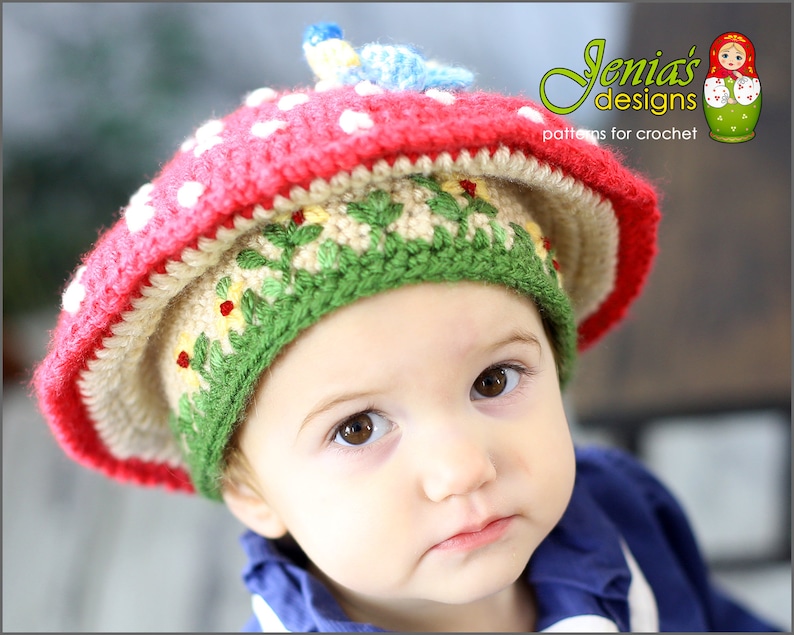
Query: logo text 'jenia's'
{"points": [[679, 72]]}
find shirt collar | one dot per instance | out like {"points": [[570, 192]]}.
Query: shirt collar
{"points": [[277, 574], [580, 568]]}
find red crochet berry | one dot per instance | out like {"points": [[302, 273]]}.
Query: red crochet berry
{"points": [[183, 360], [226, 307], [546, 244], [469, 187], [298, 218]]}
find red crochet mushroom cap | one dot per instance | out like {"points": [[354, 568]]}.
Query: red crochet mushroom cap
{"points": [[279, 153]]}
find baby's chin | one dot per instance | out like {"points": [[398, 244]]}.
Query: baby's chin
{"points": [[428, 593], [446, 609], [481, 584]]}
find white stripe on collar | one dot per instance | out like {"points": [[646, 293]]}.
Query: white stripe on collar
{"points": [[269, 622], [643, 612], [583, 624]]}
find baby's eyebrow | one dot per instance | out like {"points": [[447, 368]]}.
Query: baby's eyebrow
{"points": [[517, 337], [329, 405]]}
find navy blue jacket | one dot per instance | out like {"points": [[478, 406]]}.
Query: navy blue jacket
{"points": [[622, 557]]}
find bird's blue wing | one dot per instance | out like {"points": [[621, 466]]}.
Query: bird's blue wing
{"points": [[448, 77]]}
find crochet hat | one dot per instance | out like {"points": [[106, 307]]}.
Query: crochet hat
{"points": [[387, 173]]}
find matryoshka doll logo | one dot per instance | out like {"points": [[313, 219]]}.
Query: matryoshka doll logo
{"points": [[732, 92]]}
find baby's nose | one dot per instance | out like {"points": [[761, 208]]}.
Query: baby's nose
{"points": [[457, 464]]}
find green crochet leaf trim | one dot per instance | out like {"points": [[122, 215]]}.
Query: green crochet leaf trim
{"points": [[222, 288], [377, 210]]}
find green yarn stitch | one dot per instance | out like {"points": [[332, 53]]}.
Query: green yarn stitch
{"points": [[222, 288], [206, 420]]}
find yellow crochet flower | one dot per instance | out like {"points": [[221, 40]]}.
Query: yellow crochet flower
{"points": [[183, 353], [313, 214], [228, 311], [537, 238], [542, 248], [471, 185]]}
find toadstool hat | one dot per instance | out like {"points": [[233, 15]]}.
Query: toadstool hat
{"points": [[387, 173]]}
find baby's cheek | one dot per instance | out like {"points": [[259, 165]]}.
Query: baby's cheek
{"points": [[360, 538]]}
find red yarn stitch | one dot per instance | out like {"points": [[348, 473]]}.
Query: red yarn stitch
{"points": [[469, 187], [226, 307], [298, 218], [183, 360]]}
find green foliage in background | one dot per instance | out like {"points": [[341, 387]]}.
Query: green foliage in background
{"points": [[60, 192]]}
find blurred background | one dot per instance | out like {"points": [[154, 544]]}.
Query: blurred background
{"points": [[697, 382]]}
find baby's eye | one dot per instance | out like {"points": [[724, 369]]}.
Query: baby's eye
{"points": [[361, 429], [495, 381]]}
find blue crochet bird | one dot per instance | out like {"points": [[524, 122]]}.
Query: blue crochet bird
{"points": [[334, 61]]}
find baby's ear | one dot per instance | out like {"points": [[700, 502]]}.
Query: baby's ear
{"points": [[251, 509]]}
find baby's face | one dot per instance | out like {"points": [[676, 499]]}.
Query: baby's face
{"points": [[414, 444], [731, 56]]}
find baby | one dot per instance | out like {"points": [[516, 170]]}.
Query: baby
{"points": [[349, 314]]}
